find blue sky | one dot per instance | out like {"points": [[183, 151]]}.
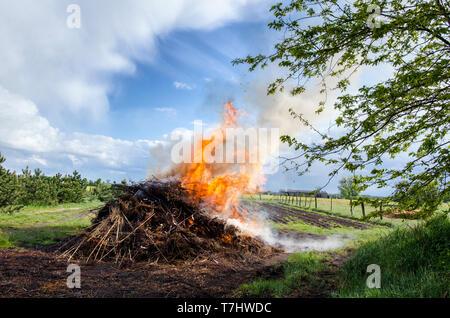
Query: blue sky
{"points": [[98, 99], [200, 62]]}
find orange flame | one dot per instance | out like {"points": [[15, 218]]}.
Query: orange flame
{"points": [[219, 185]]}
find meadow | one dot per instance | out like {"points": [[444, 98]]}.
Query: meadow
{"points": [[44, 225], [413, 255]]}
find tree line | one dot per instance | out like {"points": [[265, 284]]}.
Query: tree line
{"points": [[35, 188]]}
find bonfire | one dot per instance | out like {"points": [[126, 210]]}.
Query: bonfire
{"points": [[181, 217], [157, 221]]}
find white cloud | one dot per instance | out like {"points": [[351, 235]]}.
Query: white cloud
{"points": [[24, 128], [168, 110], [34, 159], [117, 172], [50, 74], [75, 160], [181, 85], [39, 160], [70, 70]]}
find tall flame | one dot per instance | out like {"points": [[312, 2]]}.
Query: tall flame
{"points": [[219, 185]]}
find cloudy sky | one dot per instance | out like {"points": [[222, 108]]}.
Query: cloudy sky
{"points": [[103, 97]]}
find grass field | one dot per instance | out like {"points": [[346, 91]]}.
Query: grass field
{"points": [[414, 262], [413, 257], [299, 269], [34, 226]]}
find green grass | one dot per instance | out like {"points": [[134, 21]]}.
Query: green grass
{"points": [[45, 235], [35, 226], [4, 241], [357, 236], [86, 205], [414, 262], [413, 255], [299, 269]]}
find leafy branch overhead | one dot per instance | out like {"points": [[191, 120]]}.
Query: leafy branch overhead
{"points": [[407, 111]]}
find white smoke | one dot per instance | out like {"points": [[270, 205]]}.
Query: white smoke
{"points": [[260, 228], [273, 110]]}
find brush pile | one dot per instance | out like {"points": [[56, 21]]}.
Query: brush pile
{"points": [[156, 221]]}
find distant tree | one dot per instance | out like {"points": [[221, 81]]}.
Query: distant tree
{"points": [[35, 188], [407, 111], [104, 192], [77, 187], [348, 187], [9, 190], [426, 197]]}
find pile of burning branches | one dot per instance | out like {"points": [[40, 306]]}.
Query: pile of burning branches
{"points": [[156, 221]]}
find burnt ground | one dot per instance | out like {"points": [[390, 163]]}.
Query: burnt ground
{"points": [[42, 272], [33, 273]]}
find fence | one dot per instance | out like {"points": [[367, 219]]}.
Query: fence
{"points": [[338, 206]]}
